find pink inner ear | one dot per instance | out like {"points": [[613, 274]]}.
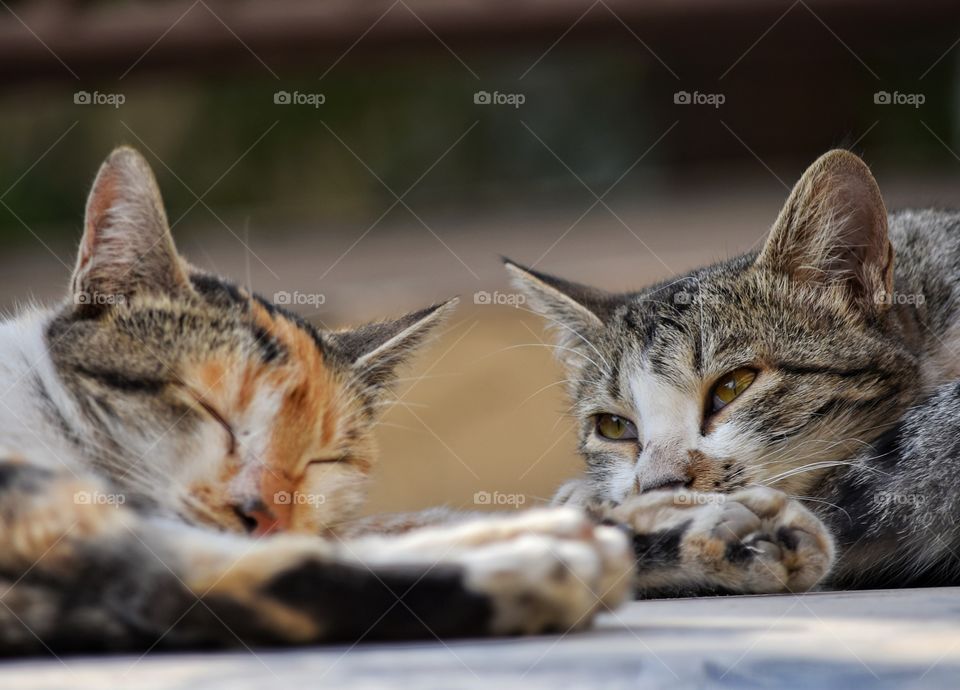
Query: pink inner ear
{"points": [[102, 199]]}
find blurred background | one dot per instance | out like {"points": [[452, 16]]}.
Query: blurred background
{"points": [[362, 158]]}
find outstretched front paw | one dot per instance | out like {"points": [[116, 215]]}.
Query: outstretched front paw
{"points": [[543, 570], [756, 540]]}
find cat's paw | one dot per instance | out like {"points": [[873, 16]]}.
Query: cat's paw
{"points": [[576, 492], [553, 573], [543, 570], [789, 535], [756, 540]]}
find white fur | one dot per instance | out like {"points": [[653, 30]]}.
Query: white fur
{"points": [[25, 431]]}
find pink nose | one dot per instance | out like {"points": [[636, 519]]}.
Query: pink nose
{"points": [[257, 519]]}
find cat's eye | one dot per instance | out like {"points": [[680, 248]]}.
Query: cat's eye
{"points": [[615, 428], [327, 460], [222, 421], [729, 387]]}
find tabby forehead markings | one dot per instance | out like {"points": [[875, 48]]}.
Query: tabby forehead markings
{"points": [[853, 397], [140, 431]]}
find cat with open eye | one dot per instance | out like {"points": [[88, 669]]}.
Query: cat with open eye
{"points": [[806, 395]]}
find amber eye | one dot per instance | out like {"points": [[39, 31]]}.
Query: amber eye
{"points": [[730, 386], [615, 428]]}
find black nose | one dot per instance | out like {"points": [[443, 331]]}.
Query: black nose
{"points": [[249, 523]]}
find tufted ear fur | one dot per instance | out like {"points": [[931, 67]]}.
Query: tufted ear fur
{"points": [[576, 313], [377, 350], [833, 230], [127, 247]]}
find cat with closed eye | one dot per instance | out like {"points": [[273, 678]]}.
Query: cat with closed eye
{"points": [[809, 391], [179, 459]]}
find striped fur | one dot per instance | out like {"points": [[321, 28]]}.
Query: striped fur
{"points": [[177, 455], [848, 316]]}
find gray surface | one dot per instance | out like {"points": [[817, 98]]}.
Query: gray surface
{"points": [[886, 639]]}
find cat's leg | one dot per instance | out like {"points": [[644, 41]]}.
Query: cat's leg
{"points": [[128, 582], [401, 523], [539, 571], [73, 575], [545, 569], [41, 508], [751, 541]]}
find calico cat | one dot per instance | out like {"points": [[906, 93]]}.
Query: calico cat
{"points": [[160, 425], [824, 365]]}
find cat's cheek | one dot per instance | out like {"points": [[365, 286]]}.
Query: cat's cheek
{"points": [[611, 469], [621, 482], [328, 495]]}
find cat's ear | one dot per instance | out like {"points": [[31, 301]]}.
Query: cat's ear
{"points": [[576, 313], [127, 246], [376, 350], [833, 230]]}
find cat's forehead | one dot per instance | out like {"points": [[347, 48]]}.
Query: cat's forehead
{"points": [[684, 325], [266, 321], [728, 315]]}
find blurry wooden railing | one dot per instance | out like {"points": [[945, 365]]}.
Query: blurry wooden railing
{"points": [[70, 39]]}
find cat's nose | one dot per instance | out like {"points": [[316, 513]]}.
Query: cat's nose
{"points": [[257, 519]]}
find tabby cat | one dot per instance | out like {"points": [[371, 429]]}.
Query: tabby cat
{"points": [[161, 424], [824, 365]]}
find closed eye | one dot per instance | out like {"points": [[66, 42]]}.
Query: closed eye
{"points": [[221, 420], [327, 461], [323, 460]]}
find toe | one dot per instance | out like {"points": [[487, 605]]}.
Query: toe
{"points": [[736, 522]]}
